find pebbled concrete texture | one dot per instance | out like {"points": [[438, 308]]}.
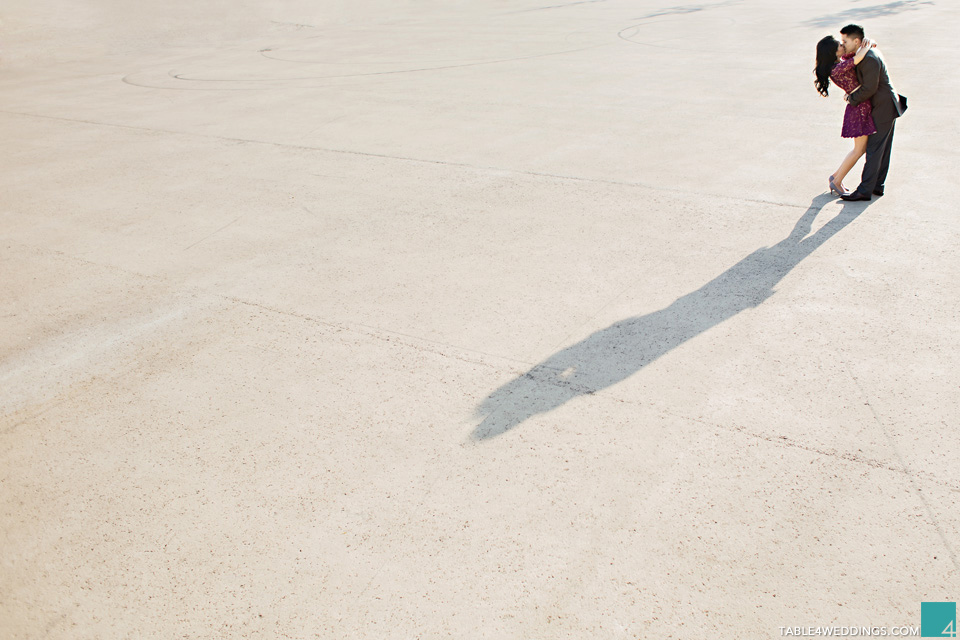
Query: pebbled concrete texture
{"points": [[477, 319]]}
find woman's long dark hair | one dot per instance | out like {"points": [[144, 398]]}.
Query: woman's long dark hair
{"points": [[826, 58]]}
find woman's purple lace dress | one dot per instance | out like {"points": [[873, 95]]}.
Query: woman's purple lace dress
{"points": [[857, 120]]}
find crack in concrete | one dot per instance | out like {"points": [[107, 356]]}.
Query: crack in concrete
{"points": [[906, 469], [465, 165]]}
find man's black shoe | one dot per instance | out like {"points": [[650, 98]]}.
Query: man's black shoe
{"points": [[854, 197], [878, 192]]}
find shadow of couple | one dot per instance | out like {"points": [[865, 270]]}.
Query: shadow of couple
{"points": [[614, 353]]}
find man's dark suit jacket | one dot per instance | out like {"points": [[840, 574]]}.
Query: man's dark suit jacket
{"points": [[875, 87]]}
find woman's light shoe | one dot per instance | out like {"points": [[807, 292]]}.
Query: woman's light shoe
{"points": [[835, 189]]}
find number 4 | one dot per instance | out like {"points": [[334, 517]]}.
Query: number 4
{"points": [[949, 631]]}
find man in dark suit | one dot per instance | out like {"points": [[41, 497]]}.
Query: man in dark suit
{"points": [[887, 106]]}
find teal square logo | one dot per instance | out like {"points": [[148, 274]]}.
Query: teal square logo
{"points": [[938, 619]]}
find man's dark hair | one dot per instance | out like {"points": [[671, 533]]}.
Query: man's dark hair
{"points": [[853, 30]]}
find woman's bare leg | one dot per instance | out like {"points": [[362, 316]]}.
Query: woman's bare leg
{"points": [[859, 148]]}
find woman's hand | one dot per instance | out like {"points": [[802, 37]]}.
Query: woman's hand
{"points": [[865, 45]]}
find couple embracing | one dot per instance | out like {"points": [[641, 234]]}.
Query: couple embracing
{"points": [[856, 66]]}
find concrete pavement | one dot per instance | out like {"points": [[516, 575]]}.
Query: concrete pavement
{"points": [[481, 320]]}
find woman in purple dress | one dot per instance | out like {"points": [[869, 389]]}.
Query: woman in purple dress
{"points": [[834, 63]]}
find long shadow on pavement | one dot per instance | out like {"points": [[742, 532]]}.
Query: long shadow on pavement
{"points": [[614, 353]]}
